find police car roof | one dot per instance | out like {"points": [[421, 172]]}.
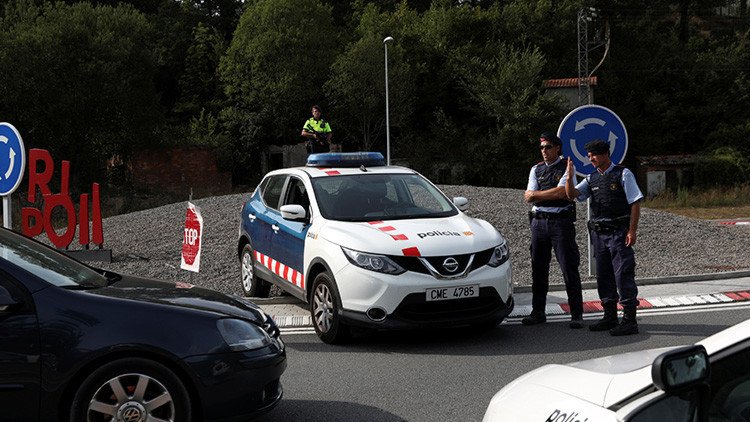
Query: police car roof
{"points": [[346, 159]]}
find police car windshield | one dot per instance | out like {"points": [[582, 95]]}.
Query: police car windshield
{"points": [[46, 263], [366, 197]]}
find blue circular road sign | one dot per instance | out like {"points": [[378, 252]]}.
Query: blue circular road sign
{"points": [[12, 159], [587, 123]]}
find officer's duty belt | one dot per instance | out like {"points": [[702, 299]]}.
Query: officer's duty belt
{"points": [[609, 226], [570, 215]]}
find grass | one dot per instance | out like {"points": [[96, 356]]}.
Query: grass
{"points": [[708, 204]]}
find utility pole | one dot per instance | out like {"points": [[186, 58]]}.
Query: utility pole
{"points": [[586, 15]]}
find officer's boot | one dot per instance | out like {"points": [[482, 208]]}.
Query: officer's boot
{"points": [[628, 325], [608, 321]]}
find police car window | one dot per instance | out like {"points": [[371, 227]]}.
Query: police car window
{"points": [[669, 409], [296, 193], [366, 197], [730, 388], [421, 193], [272, 191]]}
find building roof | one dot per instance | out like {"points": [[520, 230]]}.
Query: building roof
{"points": [[567, 82]]}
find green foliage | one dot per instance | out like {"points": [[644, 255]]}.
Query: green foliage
{"points": [[199, 83], [723, 166], [78, 80], [357, 85], [274, 70]]}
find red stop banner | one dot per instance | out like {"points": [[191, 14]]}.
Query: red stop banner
{"points": [[191, 239]]}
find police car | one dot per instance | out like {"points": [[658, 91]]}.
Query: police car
{"points": [[706, 382], [372, 245]]}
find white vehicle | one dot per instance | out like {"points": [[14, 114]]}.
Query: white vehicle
{"points": [[706, 382], [372, 245]]}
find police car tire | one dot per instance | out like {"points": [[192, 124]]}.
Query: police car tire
{"points": [[325, 310], [256, 287]]}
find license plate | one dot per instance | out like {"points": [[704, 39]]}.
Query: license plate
{"points": [[455, 292]]}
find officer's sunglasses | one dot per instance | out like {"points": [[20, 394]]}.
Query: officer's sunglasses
{"points": [[546, 146]]}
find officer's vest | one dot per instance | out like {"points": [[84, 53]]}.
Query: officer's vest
{"points": [[548, 177], [608, 200], [320, 126]]}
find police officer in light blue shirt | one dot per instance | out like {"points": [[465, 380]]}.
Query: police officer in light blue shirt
{"points": [[552, 228], [615, 211]]}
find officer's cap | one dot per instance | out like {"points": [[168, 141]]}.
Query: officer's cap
{"points": [[550, 137], [597, 146]]}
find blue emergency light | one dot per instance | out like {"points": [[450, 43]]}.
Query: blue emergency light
{"points": [[346, 159]]}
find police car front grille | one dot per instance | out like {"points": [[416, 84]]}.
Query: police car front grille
{"points": [[411, 263], [416, 308]]}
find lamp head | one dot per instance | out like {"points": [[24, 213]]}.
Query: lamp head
{"points": [[387, 39]]}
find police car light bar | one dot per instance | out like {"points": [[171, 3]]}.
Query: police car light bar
{"points": [[346, 159]]}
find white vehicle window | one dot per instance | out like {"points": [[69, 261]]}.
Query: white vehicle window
{"points": [[365, 197], [730, 388], [669, 409], [272, 191]]}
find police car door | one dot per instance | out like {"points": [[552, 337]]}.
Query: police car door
{"points": [[262, 215], [289, 240]]}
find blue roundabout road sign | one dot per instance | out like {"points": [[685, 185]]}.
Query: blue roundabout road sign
{"points": [[12, 159], [587, 123]]}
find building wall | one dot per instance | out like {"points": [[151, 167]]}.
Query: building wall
{"points": [[177, 170]]}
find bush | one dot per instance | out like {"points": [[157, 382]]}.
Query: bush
{"points": [[723, 166]]}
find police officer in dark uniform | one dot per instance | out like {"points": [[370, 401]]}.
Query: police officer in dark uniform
{"points": [[615, 211], [552, 227]]}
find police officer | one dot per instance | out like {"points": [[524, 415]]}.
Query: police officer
{"points": [[615, 211], [319, 133], [552, 227]]}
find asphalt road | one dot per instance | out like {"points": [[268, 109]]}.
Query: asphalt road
{"points": [[451, 375]]}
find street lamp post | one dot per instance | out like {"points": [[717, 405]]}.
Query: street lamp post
{"points": [[387, 122]]}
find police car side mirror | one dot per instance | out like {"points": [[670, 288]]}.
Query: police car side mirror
{"points": [[681, 369], [293, 212], [461, 203], [6, 300]]}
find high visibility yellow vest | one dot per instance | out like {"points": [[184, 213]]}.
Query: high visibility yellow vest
{"points": [[321, 126]]}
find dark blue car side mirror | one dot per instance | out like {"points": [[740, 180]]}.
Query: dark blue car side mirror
{"points": [[6, 300]]}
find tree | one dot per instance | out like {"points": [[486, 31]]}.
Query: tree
{"points": [[82, 83], [357, 84], [273, 71], [199, 82]]}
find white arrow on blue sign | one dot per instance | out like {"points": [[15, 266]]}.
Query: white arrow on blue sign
{"points": [[12, 159], [588, 123]]}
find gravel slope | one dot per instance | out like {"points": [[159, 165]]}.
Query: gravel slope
{"points": [[148, 242]]}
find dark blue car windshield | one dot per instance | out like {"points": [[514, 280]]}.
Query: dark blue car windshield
{"points": [[47, 264], [367, 197]]}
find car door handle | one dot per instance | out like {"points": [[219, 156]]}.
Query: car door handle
{"points": [[252, 217], [275, 228]]}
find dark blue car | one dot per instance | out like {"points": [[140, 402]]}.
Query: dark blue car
{"points": [[83, 344]]}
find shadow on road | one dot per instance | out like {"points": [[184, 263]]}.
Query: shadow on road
{"points": [[324, 411], [549, 338]]}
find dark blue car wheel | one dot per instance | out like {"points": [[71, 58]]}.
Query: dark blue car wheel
{"points": [[132, 389]]}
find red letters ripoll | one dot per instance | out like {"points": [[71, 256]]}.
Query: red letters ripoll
{"points": [[34, 221]]}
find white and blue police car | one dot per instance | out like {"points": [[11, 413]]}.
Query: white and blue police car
{"points": [[371, 245], [706, 382]]}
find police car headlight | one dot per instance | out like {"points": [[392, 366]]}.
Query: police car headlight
{"points": [[242, 335], [378, 263], [499, 255]]}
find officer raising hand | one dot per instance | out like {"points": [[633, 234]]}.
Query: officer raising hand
{"points": [[552, 228], [615, 211]]}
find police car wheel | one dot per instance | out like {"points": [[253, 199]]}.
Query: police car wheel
{"points": [[325, 306], [252, 286]]}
